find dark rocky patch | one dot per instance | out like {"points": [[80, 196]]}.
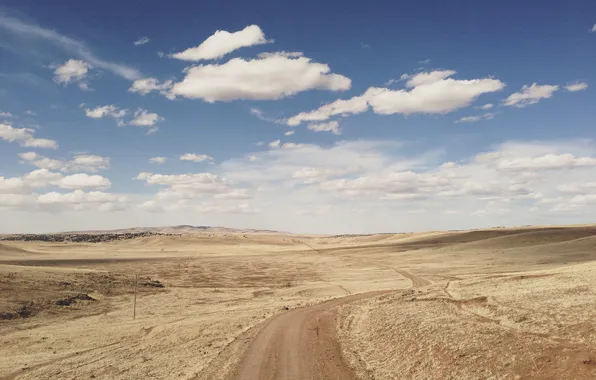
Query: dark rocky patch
{"points": [[73, 299]]}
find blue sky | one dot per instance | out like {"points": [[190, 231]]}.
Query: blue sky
{"points": [[323, 117]]}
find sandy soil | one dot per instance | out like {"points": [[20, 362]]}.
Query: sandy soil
{"points": [[500, 304]]}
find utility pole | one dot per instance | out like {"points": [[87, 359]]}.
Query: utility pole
{"points": [[134, 308]]}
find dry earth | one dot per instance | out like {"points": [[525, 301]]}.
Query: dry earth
{"points": [[487, 304]]}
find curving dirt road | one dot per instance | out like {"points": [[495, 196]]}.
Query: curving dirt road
{"points": [[299, 344]]}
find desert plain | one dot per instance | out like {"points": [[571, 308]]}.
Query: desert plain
{"points": [[503, 303]]}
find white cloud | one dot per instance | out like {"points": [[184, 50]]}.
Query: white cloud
{"points": [[275, 144], [186, 186], [106, 111], [83, 181], [42, 178], [486, 106], [195, 157], [312, 175], [144, 118], [428, 78], [233, 194], [157, 160], [593, 30], [469, 119], [577, 86], [510, 184], [530, 95], [15, 200], [357, 104], [72, 71], [578, 188], [545, 162], [141, 41], [234, 209], [261, 115], [87, 162], [24, 137], [80, 162], [272, 77], [332, 126], [289, 133], [141, 117], [473, 119], [151, 206], [144, 86], [79, 197], [393, 81], [223, 42], [431, 93], [491, 211], [5, 114], [291, 145], [29, 112], [68, 44]]}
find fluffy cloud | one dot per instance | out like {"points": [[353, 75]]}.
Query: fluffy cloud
{"points": [[428, 78], [146, 85], [192, 186], [473, 119], [141, 41], [72, 71], [334, 188], [289, 133], [42, 178], [312, 175], [79, 197], [24, 137], [144, 118], [83, 181], [432, 93], [545, 162], [80, 162], [275, 144], [332, 126], [291, 145], [233, 194], [106, 111], [578, 188], [486, 106], [357, 104], [158, 160], [5, 114], [269, 77], [195, 157], [141, 117], [530, 95], [505, 182], [223, 42], [593, 30], [577, 86]]}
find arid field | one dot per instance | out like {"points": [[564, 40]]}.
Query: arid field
{"points": [[483, 304]]}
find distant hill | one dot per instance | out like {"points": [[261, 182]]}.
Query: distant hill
{"points": [[180, 229]]}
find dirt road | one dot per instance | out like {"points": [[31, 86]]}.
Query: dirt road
{"points": [[299, 344]]}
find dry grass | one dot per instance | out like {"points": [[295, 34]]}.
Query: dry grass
{"points": [[500, 304]]}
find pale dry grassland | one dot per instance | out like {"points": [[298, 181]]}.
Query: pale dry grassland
{"points": [[500, 304]]}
